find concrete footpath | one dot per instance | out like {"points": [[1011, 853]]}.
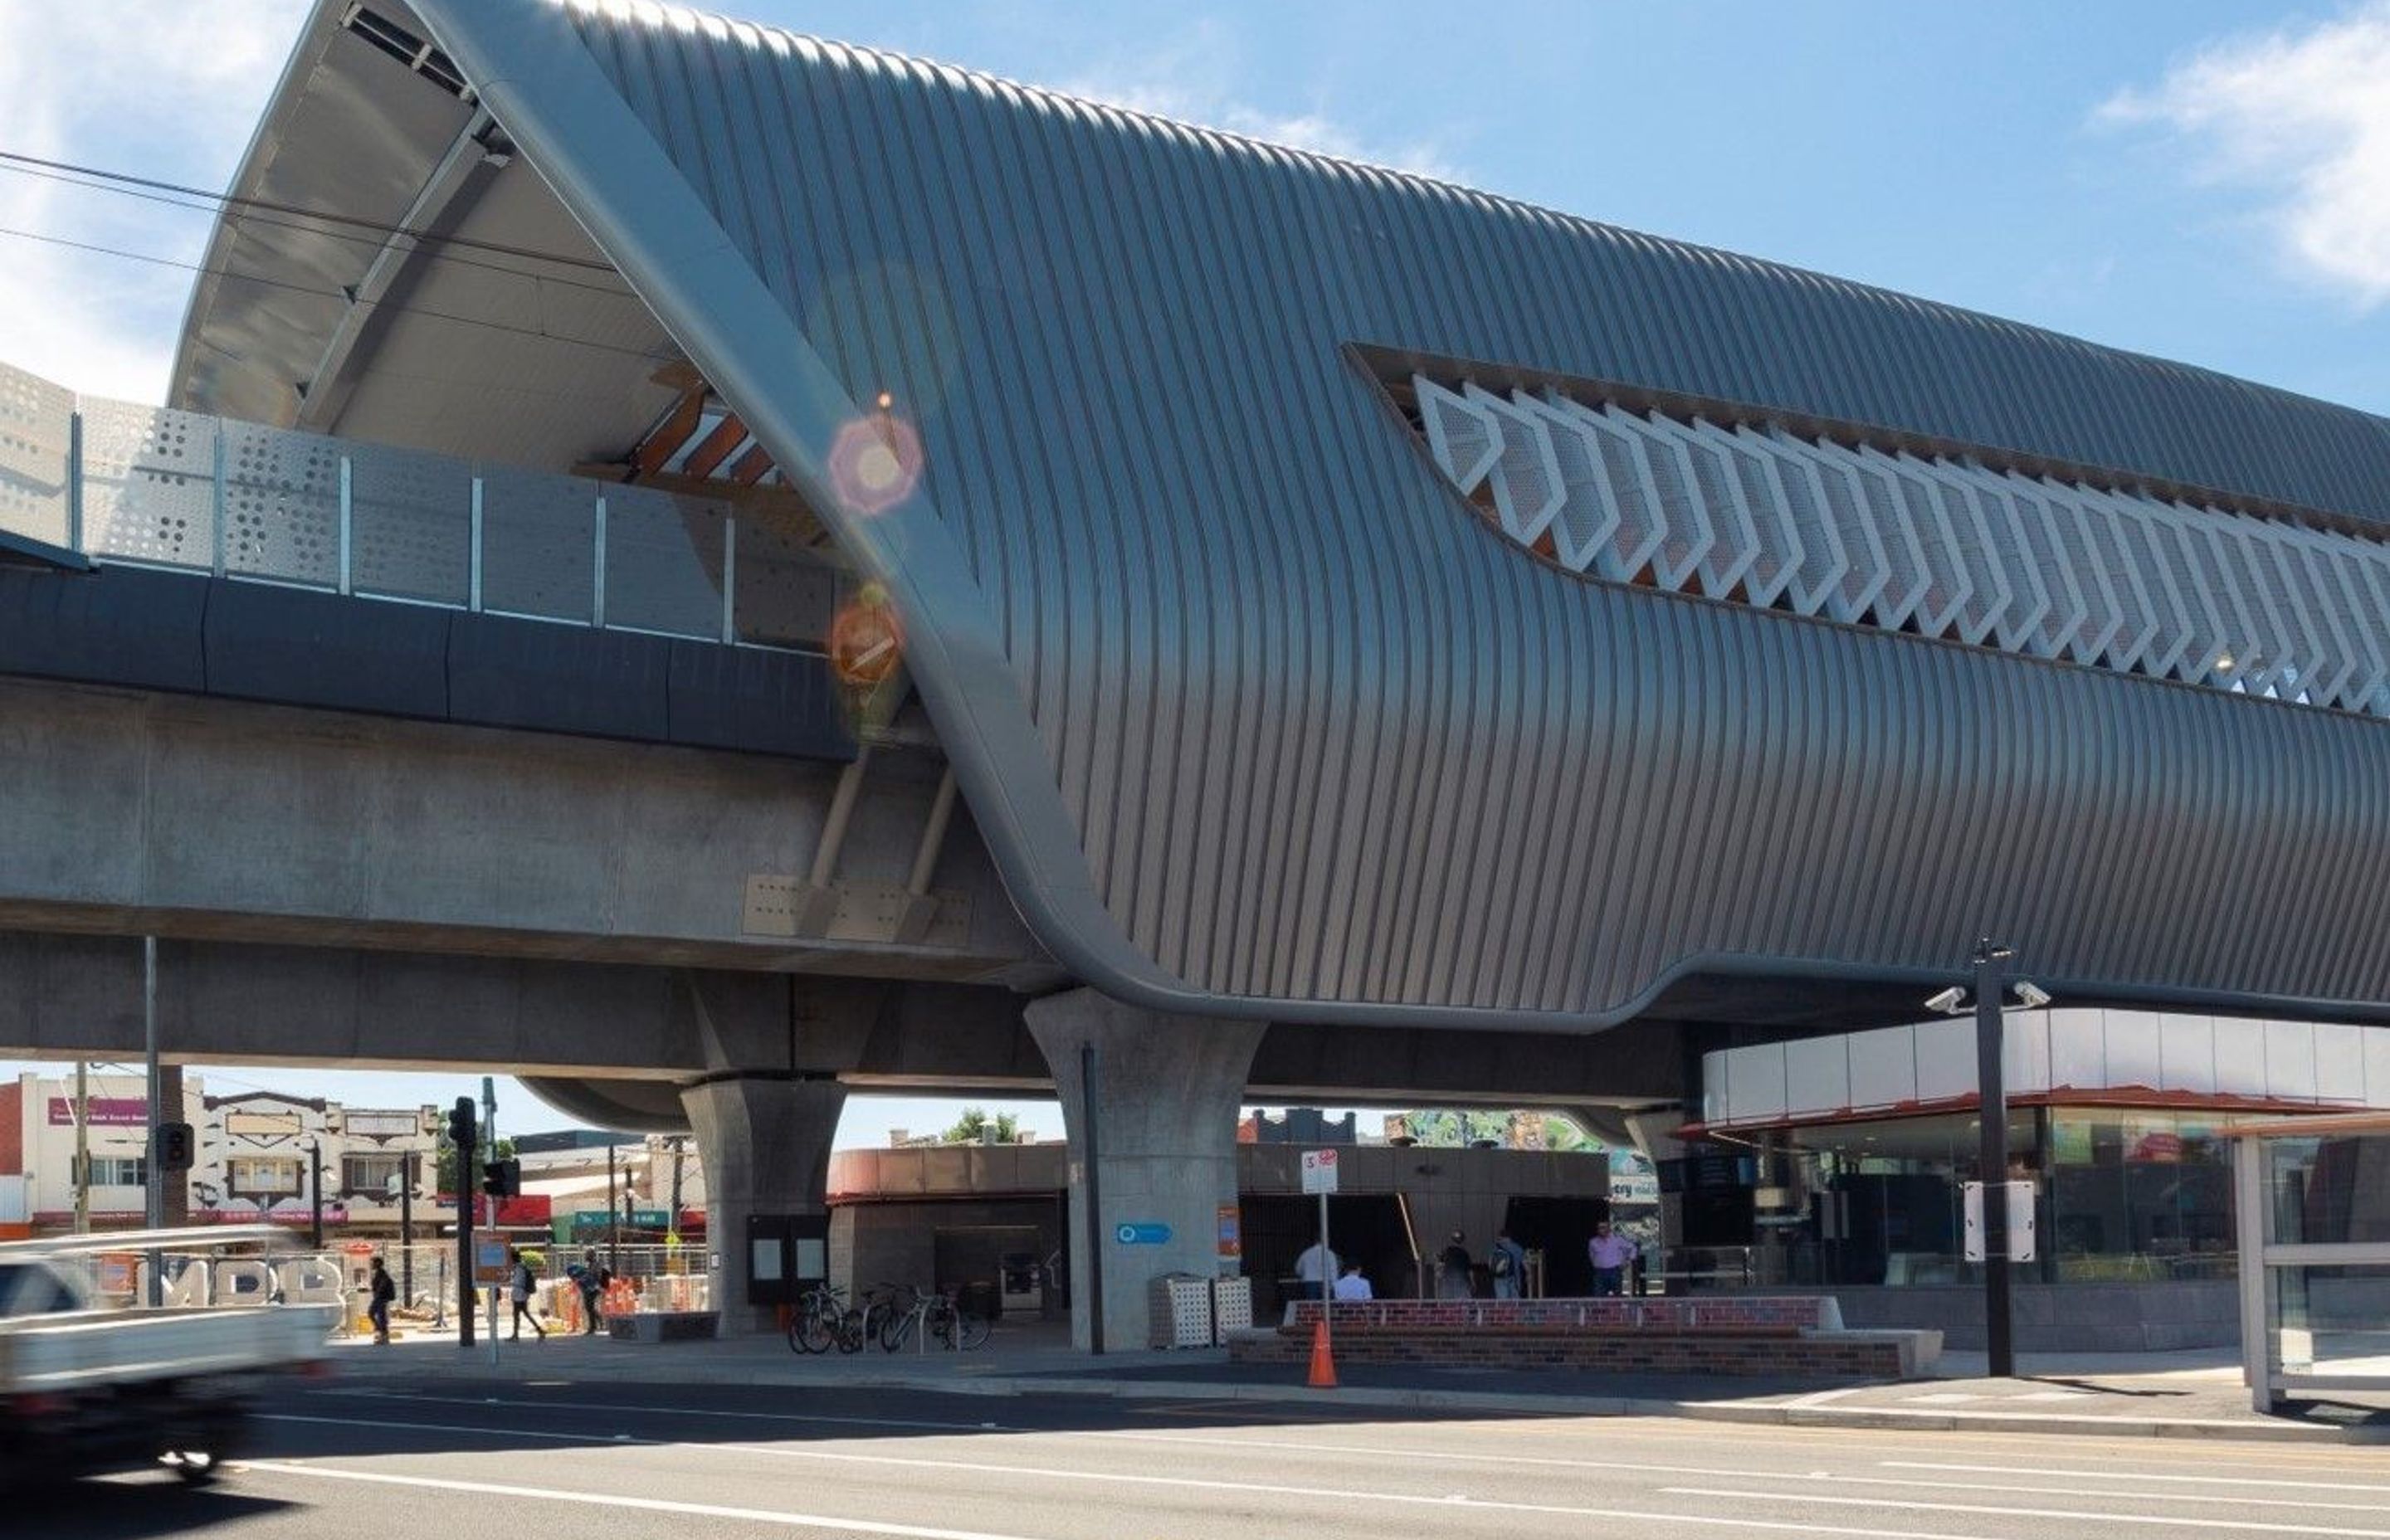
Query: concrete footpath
{"points": [[2158, 1396]]}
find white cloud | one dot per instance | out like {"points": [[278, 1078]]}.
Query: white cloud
{"points": [[166, 92], [1189, 77], [2302, 116]]}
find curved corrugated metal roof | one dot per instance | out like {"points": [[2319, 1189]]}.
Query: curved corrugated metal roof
{"points": [[1258, 718], [1547, 291]]}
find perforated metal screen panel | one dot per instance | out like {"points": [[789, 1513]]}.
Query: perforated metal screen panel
{"points": [[149, 483], [539, 544], [787, 593], [1948, 547], [36, 423], [178, 488], [663, 562], [282, 505], [411, 524]]}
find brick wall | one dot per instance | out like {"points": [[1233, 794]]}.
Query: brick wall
{"points": [[1616, 1352], [1725, 1313]]}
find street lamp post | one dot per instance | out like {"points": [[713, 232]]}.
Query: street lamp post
{"points": [[1992, 1158]]}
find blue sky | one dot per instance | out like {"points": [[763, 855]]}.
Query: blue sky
{"points": [[2200, 180]]}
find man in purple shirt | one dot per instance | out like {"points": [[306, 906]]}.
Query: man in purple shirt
{"points": [[1610, 1254]]}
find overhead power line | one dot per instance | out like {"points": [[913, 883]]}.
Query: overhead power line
{"points": [[380, 227], [617, 289], [338, 294]]}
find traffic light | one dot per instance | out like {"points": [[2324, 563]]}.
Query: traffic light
{"points": [[503, 1179], [177, 1150], [461, 1123]]}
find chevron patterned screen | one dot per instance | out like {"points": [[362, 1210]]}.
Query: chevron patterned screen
{"points": [[1942, 548]]}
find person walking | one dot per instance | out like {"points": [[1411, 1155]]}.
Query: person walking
{"points": [[1508, 1262], [591, 1279], [1452, 1270], [382, 1292], [1610, 1254], [523, 1282], [1315, 1270], [1352, 1286]]}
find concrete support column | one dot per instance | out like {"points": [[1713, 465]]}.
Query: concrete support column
{"points": [[1165, 1099], [765, 1143]]}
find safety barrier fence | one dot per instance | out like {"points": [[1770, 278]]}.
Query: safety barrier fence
{"points": [[152, 487], [646, 1277]]}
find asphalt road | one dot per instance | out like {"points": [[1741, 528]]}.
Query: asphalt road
{"points": [[467, 1462]]}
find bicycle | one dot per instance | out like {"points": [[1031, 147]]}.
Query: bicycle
{"points": [[902, 1308], [938, 1319], [879, 1306], [823, 1319]]}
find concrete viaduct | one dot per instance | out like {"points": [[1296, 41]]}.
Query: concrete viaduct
{"points": [[713, 569]]}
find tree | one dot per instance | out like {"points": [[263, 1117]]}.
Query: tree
{"points": [[448, 1166], [973, 1128], [1561, 1135]]}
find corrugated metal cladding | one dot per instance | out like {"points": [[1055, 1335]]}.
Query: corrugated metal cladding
{"points": [[1325, 739]]}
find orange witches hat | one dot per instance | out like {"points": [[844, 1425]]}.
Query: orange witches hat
{"points": [[1323, 1363]]}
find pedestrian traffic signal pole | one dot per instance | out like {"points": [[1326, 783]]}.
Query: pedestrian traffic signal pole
{"points": [[462, 1135]]}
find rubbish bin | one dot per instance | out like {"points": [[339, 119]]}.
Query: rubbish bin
{"points": [[980, 1301], [1181, 1311]]}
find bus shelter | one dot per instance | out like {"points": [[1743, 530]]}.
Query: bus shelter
{"points": [[2312, 1214]]}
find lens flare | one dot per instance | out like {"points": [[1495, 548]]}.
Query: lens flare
{"points": [[875, 461], [867, 641]]}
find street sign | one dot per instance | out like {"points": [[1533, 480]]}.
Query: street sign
{"points": [[2021, 1238], [1141, 1232], [1319, 1171], [491, 1263]]}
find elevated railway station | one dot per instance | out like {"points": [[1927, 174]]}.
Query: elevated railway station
{"points": [[718, 568]]}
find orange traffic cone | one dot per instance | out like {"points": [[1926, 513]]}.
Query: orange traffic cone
{"points": [[1323, 1363]]}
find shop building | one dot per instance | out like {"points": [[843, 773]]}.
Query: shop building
{"points": [[1839, 1162], [38, 1170], [956, 1215], [254, 1155]]}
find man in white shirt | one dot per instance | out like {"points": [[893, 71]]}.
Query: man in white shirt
{"points": [[1610, 1254], [1315, 1270], [1353, 1285]]}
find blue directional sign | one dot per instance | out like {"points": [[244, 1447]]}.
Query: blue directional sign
{"points": [[1144, 1232]]}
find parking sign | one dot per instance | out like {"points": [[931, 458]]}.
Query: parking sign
{"points": [[1319, 1171]]}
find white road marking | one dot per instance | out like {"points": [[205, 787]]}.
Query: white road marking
{"points": [[1848, 1478], [1290, 1446], [915, 1423], [2304, 1485], [646, 1505], [985, 1467], [2170, 1521]]}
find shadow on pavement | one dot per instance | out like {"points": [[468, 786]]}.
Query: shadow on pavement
{"points": [[2098, 1387], [132, 1509], [454, 1416]]}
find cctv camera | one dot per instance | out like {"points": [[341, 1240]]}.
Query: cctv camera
{"points": [[2031, 995], [1949, 1002]]}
